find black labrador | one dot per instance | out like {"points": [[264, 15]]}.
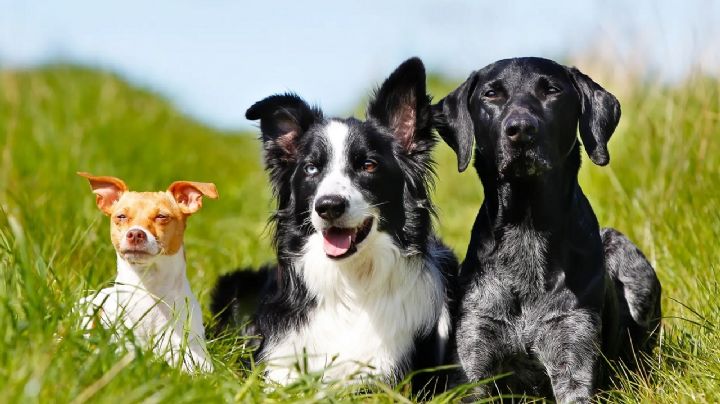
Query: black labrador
{"points": [[547, 294]]}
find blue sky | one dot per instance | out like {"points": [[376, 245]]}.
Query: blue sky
{"points": [[215, 58]]}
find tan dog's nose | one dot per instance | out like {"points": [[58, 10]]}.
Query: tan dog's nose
{"points": [[136, 236]]}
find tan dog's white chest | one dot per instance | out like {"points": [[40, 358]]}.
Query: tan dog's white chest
{"points": [[169, 320]]}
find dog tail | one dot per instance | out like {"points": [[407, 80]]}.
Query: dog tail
{"points": [[236, 296]]}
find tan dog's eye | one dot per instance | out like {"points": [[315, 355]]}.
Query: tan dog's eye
{"points": [[161, 217], [121, 217]]}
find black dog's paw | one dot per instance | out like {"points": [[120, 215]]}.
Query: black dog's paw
{"points": [[638, 290]]}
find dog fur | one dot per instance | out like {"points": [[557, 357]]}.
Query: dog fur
{"points": [[377, 304], [151, 295], [545, 292]]}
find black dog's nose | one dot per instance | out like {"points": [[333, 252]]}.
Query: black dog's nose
{"points": [[330, 207], [521, 128]]}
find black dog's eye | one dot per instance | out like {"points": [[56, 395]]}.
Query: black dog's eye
{"points": [[369, 165], [552, 90], [311, 169], [490, 94]]}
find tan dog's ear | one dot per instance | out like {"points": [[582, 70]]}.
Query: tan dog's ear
{"points": [[189, 194], [107, 190]]}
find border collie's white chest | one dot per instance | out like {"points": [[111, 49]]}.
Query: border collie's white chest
{"points": [[370, 308]]}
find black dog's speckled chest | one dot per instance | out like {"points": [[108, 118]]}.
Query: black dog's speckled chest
{"points": [[520, 299]]}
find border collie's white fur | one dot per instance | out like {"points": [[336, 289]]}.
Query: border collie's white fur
{"points": [[369, 309], [361, 279]]}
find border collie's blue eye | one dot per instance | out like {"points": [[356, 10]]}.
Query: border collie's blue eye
{"points": [[311, 169], [490, 94], [369, 165]]}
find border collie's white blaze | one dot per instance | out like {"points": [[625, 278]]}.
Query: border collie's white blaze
{"points": [[361, 277], [342, 236]]}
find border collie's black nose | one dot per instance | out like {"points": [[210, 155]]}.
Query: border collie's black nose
{"points": [[520, 128], [330, 207]]}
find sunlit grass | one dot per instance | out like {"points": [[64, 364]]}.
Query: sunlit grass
{"points": [[661, 189]]}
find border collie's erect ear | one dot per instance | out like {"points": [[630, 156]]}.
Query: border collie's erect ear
{"points": [[402, 104], [599, 116], [454, 122], [283, 119]]}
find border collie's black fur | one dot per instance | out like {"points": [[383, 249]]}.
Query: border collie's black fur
{"points": [[360, 273]]}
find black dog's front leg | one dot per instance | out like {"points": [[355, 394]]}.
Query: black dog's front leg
{"points": [[482, 343], [567, 346]]}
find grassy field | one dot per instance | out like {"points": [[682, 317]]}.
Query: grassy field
{"points": [[661, 189]]}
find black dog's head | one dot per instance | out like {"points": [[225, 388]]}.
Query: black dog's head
{"points": [[342, 183], [523, 115]]}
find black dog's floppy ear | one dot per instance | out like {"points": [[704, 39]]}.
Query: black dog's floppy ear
{"points": [[454, 123], [599, 116], [283, 119], [403, 105]]}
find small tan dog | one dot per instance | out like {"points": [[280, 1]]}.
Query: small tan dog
{"points": [[151, 295]]}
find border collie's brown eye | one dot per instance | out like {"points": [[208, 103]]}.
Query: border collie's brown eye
{"points": [[369, 165]]}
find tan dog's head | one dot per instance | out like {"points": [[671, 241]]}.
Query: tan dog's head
{"points": [[145, 225]]}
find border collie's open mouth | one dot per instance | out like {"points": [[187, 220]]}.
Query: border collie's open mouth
{"points": [[340, 242]]}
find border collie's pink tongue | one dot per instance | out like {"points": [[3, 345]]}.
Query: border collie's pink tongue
{"points": [[336, 241]]}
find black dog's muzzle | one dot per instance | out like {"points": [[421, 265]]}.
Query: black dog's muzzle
{"points": [[520, 128], [522, 146]]}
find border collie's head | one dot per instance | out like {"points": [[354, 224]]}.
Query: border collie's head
{"points": [[343, 182]]}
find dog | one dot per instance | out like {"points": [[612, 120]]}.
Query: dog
{"points": [[360, 289], [546, 293], [151, 296]]}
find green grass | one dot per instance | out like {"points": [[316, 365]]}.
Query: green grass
{"points": [[661, 189]]}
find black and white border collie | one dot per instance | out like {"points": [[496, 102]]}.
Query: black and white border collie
{"points": [[361, 279]]}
